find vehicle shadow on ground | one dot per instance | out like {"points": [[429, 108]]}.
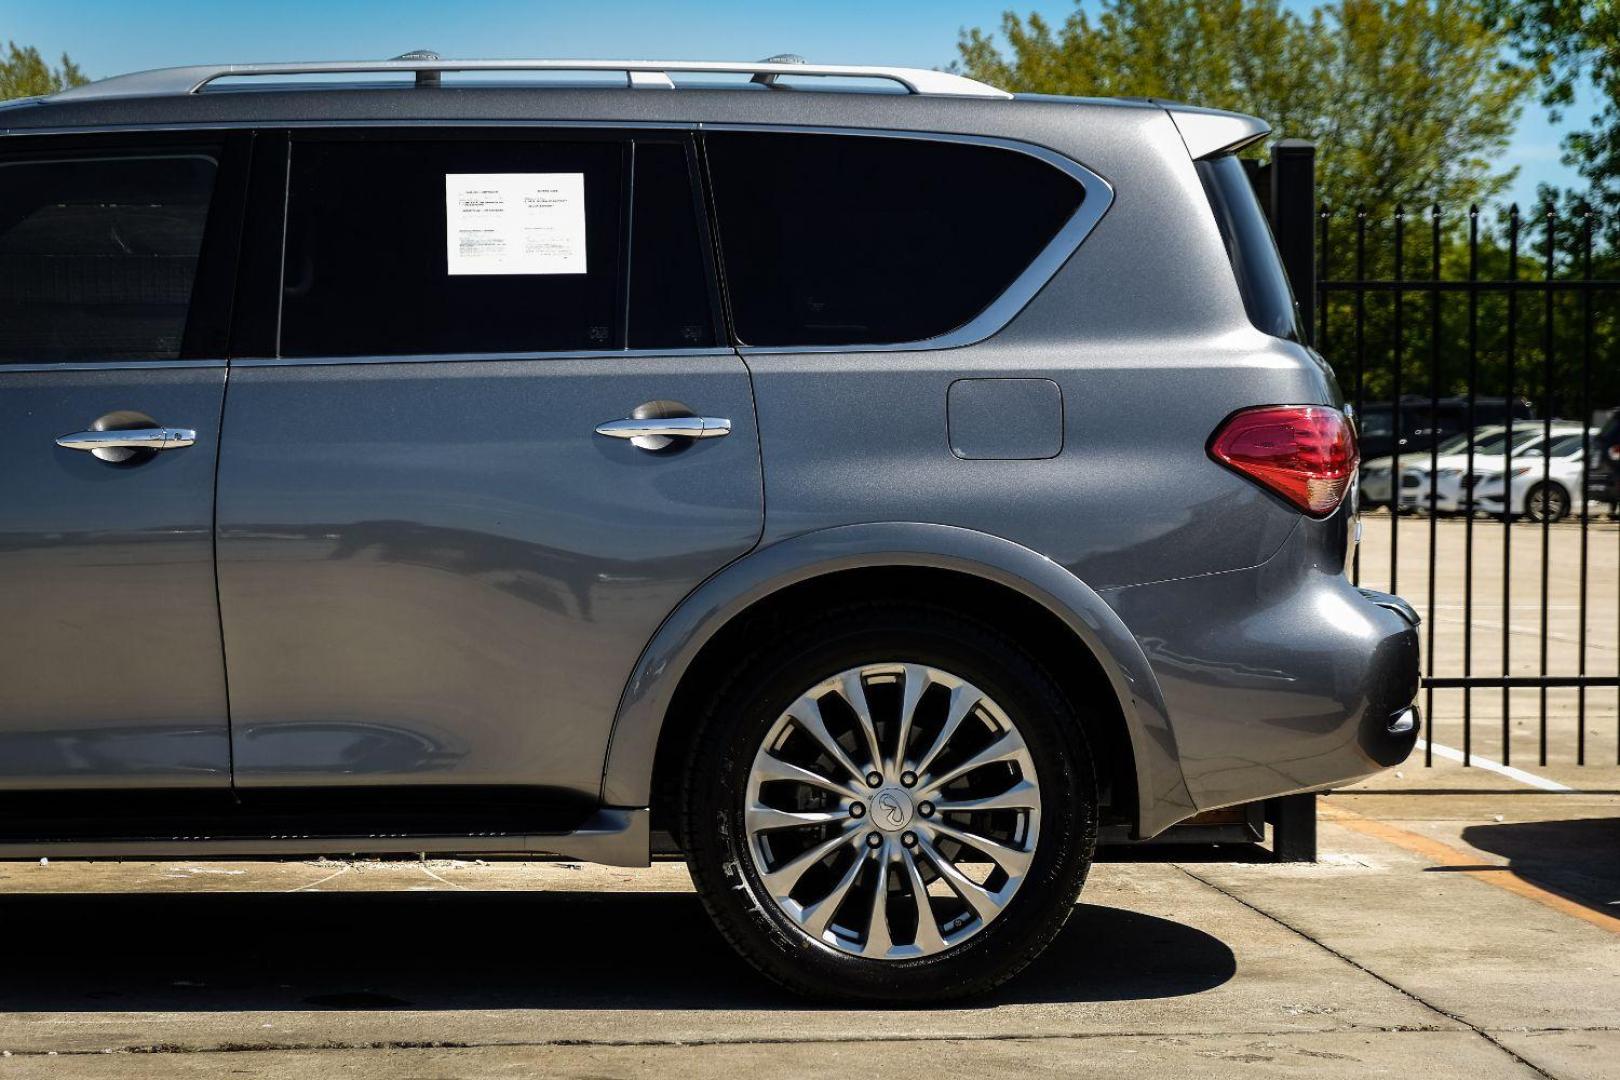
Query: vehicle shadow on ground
{"points": [[1579, 858], [485, 950]]}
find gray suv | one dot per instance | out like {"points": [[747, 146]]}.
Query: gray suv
{"points": [[864, 482]]}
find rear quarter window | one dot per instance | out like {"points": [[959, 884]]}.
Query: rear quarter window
{"points": [[1267, 297], [856, 240]]}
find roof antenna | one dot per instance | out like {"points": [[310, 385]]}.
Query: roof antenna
{"points": [[432, 79], [768, 78]]}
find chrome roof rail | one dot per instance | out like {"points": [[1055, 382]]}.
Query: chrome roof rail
{"points": [[639, 74]]}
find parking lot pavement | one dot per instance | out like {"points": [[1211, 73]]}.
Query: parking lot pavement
{"points": [[1378, 959], [1509, 605]]}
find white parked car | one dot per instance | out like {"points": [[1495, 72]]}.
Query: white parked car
{"points": [[1537, 487], [1450, 486], [1376, 475]]}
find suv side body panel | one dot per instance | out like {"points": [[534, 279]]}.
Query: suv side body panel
{"points": [[445, 578], [852, 436], [1143, 333], [628, 780], [119, 256], [106, 570]]}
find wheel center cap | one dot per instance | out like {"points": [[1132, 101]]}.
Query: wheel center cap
{"points": [[892, 809]]}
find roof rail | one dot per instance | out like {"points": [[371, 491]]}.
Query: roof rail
{"points": [[639, 74]]}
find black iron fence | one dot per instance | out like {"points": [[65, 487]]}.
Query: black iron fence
{"points": [[1477, 339]]}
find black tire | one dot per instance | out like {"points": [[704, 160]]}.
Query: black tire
{"points": [[1552, 496], [793, 658]]}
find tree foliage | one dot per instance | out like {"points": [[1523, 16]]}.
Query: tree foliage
{"points": [[1568, 44], [1411, 102], [24, 73]]}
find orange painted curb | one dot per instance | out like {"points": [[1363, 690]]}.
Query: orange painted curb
{"points": [[1446, 855]]}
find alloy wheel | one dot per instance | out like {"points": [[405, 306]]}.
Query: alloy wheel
{"points": [[892, 811], [1546, 504]]}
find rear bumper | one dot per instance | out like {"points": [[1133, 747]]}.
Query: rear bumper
{"points": [[1391, 722], [1280, 679]]}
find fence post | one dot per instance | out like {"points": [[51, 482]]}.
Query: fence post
{"points": [[1293, 828], [1293, 219]]}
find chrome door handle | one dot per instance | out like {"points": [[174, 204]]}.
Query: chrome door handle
{"points": [[669, 427], [157, 438]]}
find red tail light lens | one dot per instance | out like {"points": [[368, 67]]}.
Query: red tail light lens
{"points": [[1305, 453]]}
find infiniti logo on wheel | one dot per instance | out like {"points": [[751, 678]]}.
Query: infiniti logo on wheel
{"points": [[892, 809]]}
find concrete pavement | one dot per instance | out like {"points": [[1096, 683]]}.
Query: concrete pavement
{"points": [[1378, 960]]}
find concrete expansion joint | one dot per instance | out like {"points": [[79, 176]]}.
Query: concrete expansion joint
{"points": [[1397, 987], [540, 1044]]}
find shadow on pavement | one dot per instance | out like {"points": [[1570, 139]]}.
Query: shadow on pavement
{"points": [[484, 950], [1579, 858]]}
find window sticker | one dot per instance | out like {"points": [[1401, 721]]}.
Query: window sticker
{"points": [[515, 223]]}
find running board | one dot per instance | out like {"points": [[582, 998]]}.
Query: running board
{"points": [[613, 836]]}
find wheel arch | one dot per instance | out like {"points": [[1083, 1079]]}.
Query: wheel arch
{"points": [[1062, 619]]}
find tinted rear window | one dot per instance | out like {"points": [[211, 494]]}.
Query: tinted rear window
{"points": [[98, 254], [849, 240], [1267, 297], [370, 239]]}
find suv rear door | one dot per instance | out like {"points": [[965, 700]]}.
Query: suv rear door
{"points": [[433, 571], [116, 268]]}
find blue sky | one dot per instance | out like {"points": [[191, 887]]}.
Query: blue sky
{"points": [[108, 37]]}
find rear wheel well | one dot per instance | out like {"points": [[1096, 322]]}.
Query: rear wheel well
{"points": [[1048, 639]]}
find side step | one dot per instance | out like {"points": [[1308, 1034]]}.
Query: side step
{"points": [[612, 836]]}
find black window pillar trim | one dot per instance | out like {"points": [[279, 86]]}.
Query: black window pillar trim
{"points": [[213, 290], [256, 313]]}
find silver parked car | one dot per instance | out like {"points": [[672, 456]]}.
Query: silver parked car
{"points": [[456, 463]]}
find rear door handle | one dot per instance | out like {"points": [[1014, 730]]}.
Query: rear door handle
{"points": [[669, 427], [156, 438]]}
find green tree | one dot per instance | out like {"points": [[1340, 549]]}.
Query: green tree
{"points": [[1411, 102], [1569, 43], [24, 73]]}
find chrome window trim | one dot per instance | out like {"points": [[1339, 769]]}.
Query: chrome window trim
{"points": [[1097, 198], [104, 365], [476, 357]]}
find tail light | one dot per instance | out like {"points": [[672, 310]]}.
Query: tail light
{"points": [[1305, 453]]}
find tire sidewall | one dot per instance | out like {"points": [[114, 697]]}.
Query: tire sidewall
{"points": [[1063, 770], [1548, 491]]}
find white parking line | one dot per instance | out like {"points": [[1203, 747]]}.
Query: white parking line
{"points": [[1494, 766]]}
